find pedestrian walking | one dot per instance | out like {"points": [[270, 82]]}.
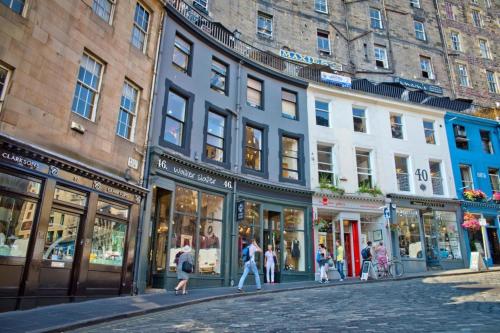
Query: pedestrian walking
{"points": [[322, 258], [381, 253], [248, 257], [270, 263], [185, 266], [366, 253], [340, 260]]}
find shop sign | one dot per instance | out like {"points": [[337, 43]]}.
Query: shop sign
{"points": [[427, 204], [20, 160], [336, 80], [114, 191], [307, 59], [387, 213], [188, 173], [419, 85], [324, 200], [240, 210]]}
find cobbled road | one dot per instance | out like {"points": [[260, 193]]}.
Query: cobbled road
{"points": [[464, 303]]}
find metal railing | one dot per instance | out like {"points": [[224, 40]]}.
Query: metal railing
{"points": [[228, 39]]}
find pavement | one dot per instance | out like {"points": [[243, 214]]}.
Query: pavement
{"points": [[64, 317]]}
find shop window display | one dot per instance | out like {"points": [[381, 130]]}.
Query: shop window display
{"points": [[293, 235], [210, 234], [410, 244], [449, 241], [249, 228], [108, 241], [61, 236], [162, 227]]}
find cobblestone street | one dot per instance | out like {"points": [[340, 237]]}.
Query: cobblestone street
{"points": [[467, 303]]}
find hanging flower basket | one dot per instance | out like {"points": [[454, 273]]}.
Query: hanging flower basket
{"points": [[474, 195], [496, 197], [470, 222], [394, 227]]}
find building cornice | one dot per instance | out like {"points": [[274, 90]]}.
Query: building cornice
{"points": [[424, 199]]}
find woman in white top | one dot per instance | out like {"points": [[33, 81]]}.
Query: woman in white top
{"points": [[269, 263]]}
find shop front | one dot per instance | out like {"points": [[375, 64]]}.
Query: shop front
{"points": [[353, 220], [278, 217], [484, 239], [67, 233], [426, 233], [189, 205]]}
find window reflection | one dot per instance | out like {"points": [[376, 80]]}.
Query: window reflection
{"points": [[108, 241], [410, 244], [19, 184], [70, 196], [104, 207], [253, 148], [294, 240], [61, 236], [249, 228]]}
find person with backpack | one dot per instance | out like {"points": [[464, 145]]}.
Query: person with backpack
{"points": [[248, 258], [366, 253], [322, 258], [185, 266]]}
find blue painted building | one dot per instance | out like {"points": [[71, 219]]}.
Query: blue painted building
{"points": [[475, 154]]}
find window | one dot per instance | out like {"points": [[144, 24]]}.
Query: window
{"points": [[128, 110], [103, 9], [415, 3], [486, 141], [253, 148], [449, 237], [323, 38], [294, 240], [364, 169], [175, 119], [492, 82], [4, 82], [218, 79], [476, 18], [426, 67], [321, 6], [375, 19], [201, 4], [288, 104], [359, 120], [17, 6], [488, 3], [461, 140], [61, 236], [494, 179], [265, 24], [397, 126], [325, 165], [210, 234], [466, 177], [140, 27], [448, 7], [88, 86], [290, 158], [108, 242], [322, 114], [484, 48], [214, 148], [402, 174], [182, 54], [381, 57], [463, 75], [430, 136], [410, 244], [419, 30], [436, 177], [249, 228], [455, 41], [254, 92]]}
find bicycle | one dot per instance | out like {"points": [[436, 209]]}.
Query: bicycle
{"points": [[394, 269]]}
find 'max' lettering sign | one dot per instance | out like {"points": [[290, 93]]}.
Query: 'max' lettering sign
{"points": [[307, 59]]}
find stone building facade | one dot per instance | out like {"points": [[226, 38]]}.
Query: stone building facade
{"points": [[75, 93], [407, 37]]}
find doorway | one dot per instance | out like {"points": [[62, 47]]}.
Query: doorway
{"points": [[351, 248], [272, 236], [494, 245], [431, 233]]}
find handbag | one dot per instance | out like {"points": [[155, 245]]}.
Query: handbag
{"points": [[330, 262], [187, 267]]}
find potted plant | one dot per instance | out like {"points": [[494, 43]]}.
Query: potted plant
{"points": [[394, 227], [365, 188], [326, 184], [470, 222], [474, 195]]}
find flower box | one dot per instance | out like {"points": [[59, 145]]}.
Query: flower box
{"points": [[474, 195]]}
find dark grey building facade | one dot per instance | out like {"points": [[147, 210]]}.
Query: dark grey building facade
{"points": [[226, 131]]}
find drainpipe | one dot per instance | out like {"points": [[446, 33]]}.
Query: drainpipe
{"points": [[393, 63], [145, 165], [348, 35]]}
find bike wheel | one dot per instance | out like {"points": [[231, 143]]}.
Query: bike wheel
{"points": [[396, 269]]}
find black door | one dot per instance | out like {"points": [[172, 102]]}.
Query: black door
{"points": [[494, 245]]}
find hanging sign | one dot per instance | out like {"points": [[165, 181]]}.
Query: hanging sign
{"points": [[419, 85], [240, 210], [309, 59], [336, 80]]}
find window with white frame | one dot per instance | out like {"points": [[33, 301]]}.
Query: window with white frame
{"points": [[88, 86], [359, 119], [4, 82], [455, 41], [466, 177], [265, 24], [419, 30], [402, 173], [375, 19], [430, 136], [426, 67], [175, 119], [436, 177], [202, 4], [323, 38], [461, 140], [463, 75], [484, 49], [182, 53], [326, 172], [494, 179], [476, 18], [321, 6], [140, 27], [215, 140], [415, 3], [363, 164], [17, 6], [254, 92], [381, 57], [128, 111], [397, 126], [322, 114], [448, 8], [492, 82], [218, 77], [290, 163], [103, 9], [289, 104]]}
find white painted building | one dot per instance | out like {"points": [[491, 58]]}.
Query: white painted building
{"points": [[361, 141]]}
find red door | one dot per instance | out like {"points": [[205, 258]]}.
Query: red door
{"points": [[347, 252], [355, 244]]}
